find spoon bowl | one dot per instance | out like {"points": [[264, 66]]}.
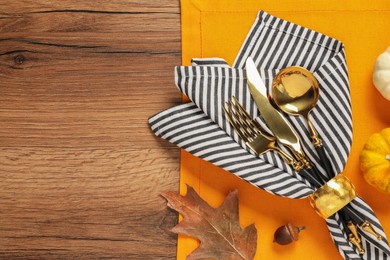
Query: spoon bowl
{"points": [[295, 91]]}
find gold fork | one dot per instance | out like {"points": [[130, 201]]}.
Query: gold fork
{"points": [[252, 133]]}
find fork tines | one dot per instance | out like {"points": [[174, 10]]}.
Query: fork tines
{"points": [[246, 128]]}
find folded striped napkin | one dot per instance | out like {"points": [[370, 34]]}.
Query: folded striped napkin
{"points": [[201, 128]]}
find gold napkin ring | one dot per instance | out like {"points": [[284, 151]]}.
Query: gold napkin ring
{"points": [[333, 196]]}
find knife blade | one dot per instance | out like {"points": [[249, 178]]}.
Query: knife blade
{"points": [[275, 121]]}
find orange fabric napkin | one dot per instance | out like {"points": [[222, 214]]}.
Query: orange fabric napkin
{"points": [[217, 29]]}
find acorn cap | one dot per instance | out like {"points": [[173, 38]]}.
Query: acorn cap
{"points": [[294, 231], [286, 234]]}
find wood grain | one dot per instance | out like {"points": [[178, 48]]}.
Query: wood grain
{"points": [[80, 170]]}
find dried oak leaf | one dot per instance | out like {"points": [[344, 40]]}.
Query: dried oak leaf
{"points": [[218, 229]]}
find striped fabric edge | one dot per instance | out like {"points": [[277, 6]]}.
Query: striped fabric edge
{"points": [[375, 249], [340, 239], [209, 62], [380, 246], [332, 116], [262, 34], [189, 128]]}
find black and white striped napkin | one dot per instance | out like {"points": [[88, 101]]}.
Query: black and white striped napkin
{"points": [[201, 128]]}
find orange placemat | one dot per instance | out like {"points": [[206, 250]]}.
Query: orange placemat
{"points": [[213, 28]]}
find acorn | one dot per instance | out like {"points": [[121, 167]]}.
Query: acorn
{"points": [[286, 234]]}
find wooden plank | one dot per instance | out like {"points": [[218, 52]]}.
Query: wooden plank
{"points": [[104, 202], [97, 32], [81, 172], [76, 74], [105, 96], [103, 6]]}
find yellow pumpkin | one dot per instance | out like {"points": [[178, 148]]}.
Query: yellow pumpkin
{"points": [[375, 160]]}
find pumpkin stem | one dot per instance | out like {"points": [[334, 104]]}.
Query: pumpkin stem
{"points": [[387, 157]]}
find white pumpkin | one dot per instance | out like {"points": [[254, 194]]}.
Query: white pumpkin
{"points": [[381, 76]]}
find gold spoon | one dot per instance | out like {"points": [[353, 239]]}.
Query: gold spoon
{"points": [[295, 91]]}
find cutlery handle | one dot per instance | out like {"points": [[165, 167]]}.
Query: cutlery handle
{"points": [[352, 214], [325, 161], [318, 174], [309, 175]]}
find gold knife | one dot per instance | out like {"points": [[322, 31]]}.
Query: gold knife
{"points": [[278, 125]]}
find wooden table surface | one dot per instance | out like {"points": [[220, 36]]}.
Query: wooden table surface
{"points": [[80, 170]]}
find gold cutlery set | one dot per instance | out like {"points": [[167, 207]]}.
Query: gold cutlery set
{"points": [[295, 91]]}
